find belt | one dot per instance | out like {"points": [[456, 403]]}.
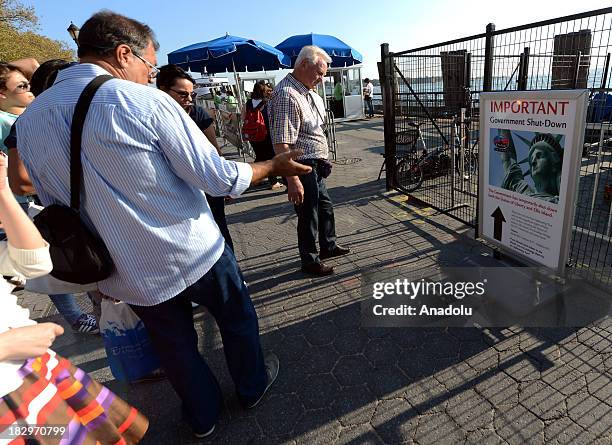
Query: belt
{"points": [[311, 161]]}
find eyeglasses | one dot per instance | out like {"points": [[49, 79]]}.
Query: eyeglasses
{"points": [[154, 70], [185, 94]]}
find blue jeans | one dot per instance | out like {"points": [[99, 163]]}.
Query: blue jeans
{"points": [[170, 326], [67, 306]]}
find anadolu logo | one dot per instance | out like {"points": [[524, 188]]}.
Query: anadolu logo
{"points": [[501, 143]]}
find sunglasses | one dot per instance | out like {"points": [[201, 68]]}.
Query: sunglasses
{"points": [[185, 94]]}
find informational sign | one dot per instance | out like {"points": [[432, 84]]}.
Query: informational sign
{"points": [[530, 150]]}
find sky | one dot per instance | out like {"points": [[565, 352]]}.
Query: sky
{"points": [[364, 25]]}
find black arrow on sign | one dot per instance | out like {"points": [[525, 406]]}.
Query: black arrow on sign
{"points": [[498, 216]]}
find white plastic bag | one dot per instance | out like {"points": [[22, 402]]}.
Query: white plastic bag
{"points": [[129, 351]]}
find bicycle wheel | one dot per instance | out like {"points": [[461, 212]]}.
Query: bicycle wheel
{"points": [[409, 175]]}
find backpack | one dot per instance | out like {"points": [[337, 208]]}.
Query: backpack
{"points": [[254, 127]]}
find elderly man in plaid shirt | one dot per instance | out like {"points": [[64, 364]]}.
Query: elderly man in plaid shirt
{"points": [[296, 122]]}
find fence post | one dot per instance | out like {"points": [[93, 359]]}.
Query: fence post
{"points": [[487, 82], [467, 80], [524, 70], [387, 76]]}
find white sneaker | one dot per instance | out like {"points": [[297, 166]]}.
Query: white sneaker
{"points": [[86, 324]]}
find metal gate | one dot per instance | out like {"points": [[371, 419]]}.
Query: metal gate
{"points": [[431, 111], [435, 133]]}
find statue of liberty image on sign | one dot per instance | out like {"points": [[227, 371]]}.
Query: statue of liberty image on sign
{"points": [[542, 153]]}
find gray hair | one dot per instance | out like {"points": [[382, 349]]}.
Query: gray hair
{"points": [[312, 53], [106, 30]]}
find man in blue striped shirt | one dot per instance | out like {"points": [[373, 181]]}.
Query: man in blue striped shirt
{"points": [[145, 163]]}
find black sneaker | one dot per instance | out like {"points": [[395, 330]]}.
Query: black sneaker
{"points": [[272, 367], [86, 324]]}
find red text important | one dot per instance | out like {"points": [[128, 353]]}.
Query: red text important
{"points": [[529, 107]]}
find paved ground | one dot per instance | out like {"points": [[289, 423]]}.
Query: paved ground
{"points": [[341, 383]]}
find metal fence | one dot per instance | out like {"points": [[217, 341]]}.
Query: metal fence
{"points": [[330, 134], [431, 110]]}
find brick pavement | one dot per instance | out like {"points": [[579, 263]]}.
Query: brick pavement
{"points": [[341, 383]]}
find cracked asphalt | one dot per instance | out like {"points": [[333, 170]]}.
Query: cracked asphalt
{"points": [[341, 383]]}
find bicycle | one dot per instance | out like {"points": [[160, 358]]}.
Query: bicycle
{"points": [[413, 169], [412, 172], [406, 143]]}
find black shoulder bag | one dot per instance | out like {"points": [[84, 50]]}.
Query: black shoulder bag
{"points": [[77, 254]]}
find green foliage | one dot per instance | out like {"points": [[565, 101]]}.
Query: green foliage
{"points": [[18, 37]]}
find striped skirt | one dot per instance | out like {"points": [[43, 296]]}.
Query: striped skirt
{"points": [[59, 403]]}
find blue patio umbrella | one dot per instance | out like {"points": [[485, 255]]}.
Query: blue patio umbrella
{"points": [[229, 53], [341, 53]]}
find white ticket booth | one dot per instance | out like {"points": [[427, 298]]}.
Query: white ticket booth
{"points": [[342, 91]]}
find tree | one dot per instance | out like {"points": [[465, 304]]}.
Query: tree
{"points": [[19, 39], [17, 16]]}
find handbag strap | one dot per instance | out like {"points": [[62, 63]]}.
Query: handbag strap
{"points": [[76, 135]]}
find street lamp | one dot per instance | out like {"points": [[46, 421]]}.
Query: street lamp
{"points": [[73, 30]]}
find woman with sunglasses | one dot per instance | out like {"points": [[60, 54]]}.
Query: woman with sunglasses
{"points": [[15, 96]]}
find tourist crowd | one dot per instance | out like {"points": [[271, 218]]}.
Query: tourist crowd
{"points": [[153, 188]]}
